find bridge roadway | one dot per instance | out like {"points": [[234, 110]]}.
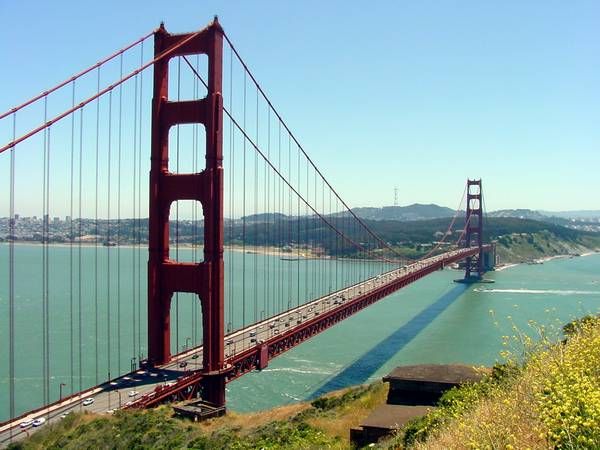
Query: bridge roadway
{"points": [[247, 349]]}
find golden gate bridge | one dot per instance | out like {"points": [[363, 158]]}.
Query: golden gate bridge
{"points": [[83, 148]]}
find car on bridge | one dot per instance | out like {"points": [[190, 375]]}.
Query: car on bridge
{"points": [[39, 422], [88, 401], [26, 423]]}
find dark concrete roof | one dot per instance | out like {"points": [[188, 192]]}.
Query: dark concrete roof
{"points": [[434, 373], [393, 416]]}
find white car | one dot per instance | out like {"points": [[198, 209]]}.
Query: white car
{"points": [[132, 393], [26, 423], [88, 401], [39, 422]]}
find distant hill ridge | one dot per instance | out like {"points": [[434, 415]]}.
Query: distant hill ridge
{"points": [[419, 211], [519, 214], [416, 211]]}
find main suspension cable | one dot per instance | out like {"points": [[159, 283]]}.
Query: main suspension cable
{"points": [[242, 130]]}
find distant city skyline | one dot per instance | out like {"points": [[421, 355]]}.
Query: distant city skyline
{"points": [[418, 96]]}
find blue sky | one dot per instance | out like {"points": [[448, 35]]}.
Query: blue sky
{"points": [[418, 95]]}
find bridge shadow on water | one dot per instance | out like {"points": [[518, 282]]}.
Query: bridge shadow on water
{"points": [[360, 370]]}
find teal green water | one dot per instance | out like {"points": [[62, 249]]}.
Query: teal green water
{"points": [[433, 320]]}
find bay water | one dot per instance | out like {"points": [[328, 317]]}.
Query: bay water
{"points": [[431, 321]]}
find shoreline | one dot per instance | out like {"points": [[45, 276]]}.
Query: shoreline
{"points": [[537, 261], [273, 251], [502, 267], [249, 249]]}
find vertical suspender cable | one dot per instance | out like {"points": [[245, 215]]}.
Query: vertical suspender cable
{"points": [[306, 240], [330, 244], [47, 270], [96, 230], [268, 238], [290, 223], [298, 234], [255, 254], [11, 281], [71, 281], [244, 224], [108, 238], [231, 272], [195, 94], [279, 225], [79, 256], [337, 242], [139, 202], [134, 227], [322, 240], [119, 219], [44, 262], [177, 208]]}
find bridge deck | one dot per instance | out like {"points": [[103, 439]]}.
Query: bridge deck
{"points": [[247, 349]]}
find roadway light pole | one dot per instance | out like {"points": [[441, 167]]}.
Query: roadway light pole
{"points": [[109, 389], [61, 385]]}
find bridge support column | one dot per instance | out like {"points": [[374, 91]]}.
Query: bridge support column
{"points": [[165, 276], [489, 258]]}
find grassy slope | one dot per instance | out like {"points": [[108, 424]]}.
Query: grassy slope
{"points": [[550, 401], [519, 247], [323, 424]]}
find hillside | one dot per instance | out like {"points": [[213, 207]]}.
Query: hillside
{"points": [[519, 239], [577, 214], [548, 399], [416, 211], [324, 423], [519, 214]]}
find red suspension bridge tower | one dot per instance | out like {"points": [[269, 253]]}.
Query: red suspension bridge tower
{"points": [[166, 276], [474, 265]]}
